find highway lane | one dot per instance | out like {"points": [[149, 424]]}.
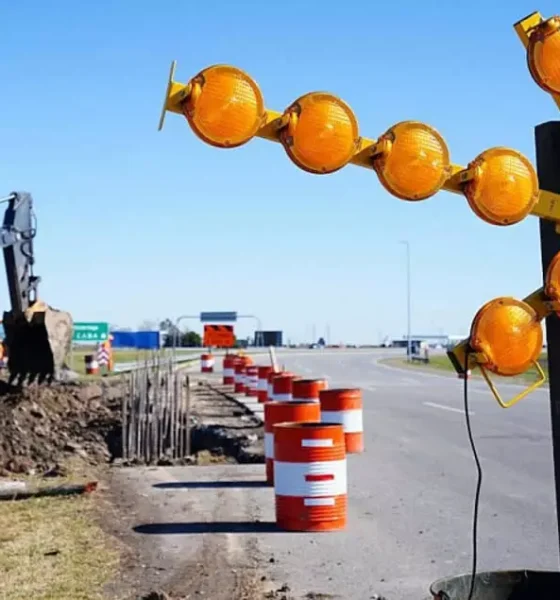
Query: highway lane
{"points": [[411, 492]]}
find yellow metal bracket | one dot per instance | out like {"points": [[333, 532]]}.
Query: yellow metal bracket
{"points": [[521, 395], [175, 95], [523, 29], [547, 207], [537, 300]]}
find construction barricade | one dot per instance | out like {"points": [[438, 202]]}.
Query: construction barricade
{"points": [[278, 412], [310, 478], [252, 380], [206, 363], [105, 355], [344, 406], [228, 367], [307, 389], [262, 386]]}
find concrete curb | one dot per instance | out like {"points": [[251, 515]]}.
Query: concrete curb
{"points": [[252, 405]]}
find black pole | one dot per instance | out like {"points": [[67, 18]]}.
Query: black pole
{"points": [[547, 137]]}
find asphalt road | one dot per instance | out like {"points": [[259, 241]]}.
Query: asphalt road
{"points": [[410, 493]]}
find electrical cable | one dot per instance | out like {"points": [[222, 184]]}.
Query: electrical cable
{"points": [[479, 479]]}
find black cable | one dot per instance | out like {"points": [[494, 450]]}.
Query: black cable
{"points": [[479, 479]]}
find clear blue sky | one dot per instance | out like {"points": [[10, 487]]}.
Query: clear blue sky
{"points": [[136, 224]]}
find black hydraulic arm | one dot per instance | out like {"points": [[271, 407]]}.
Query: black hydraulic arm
{"points": [[16, 240]]}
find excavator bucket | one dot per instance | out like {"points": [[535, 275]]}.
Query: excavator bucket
{"points": [[38, 342]]}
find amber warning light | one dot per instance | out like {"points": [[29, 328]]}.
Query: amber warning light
{"points": [[319, 132]]}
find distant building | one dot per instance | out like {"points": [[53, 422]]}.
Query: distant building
{"points": [[268, 338], [440, 340]]}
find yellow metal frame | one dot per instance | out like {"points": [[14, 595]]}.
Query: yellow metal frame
{"points": [[547, 206], [521, 395], [523, 29]]}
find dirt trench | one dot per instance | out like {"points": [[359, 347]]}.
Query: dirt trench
{"points": [[41, 428]]}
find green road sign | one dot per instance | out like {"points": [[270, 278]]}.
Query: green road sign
{"points": [[90, 332]]}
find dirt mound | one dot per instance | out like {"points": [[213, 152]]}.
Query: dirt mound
{"points": [[42, 427]]}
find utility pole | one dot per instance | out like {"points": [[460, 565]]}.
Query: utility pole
{"points": [[408, 294], [547, 137], [313, 334]]}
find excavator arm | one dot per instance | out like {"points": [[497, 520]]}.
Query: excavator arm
{"points": [[16, 239], [38, 337]]}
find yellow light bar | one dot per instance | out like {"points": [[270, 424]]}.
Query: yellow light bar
{"points": [[547, 207]]}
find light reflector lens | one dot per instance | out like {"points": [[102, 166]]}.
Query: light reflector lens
{"points": [[414, 164], [322, 133], [504, 187], [552, 280], [508, 333], [543, 55], [225, 107]]}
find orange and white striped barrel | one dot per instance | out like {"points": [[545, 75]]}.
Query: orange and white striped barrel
{"points": [[229, 369], [308, 389], [344, 406], [252, 380], [91, 364], [278, 412], [262, 386], [206, 363], [239, 377], [270, 389], [282, 386], [310, 478]]}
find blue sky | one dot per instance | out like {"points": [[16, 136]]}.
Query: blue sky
{"points": [[134, 224]]}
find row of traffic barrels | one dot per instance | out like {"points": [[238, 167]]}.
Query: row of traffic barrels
{"points": [[309, 431]]}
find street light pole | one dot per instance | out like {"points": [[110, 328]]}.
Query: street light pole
{"points": [[408, 298]]}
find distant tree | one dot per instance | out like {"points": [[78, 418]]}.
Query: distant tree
{"points": [[147, 325], [191, 339]]}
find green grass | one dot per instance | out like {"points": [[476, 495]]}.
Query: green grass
{"points": [[77, 362], [442, 363], [52, 548]]}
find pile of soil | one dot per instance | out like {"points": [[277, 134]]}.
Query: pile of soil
{"points": [[42, 427]]}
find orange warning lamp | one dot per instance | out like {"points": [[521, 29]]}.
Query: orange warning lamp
{"points": [[543, 54], [508, 336], [321, 133], [552, 280], [224, 106], [501, 186], [412, 160]]}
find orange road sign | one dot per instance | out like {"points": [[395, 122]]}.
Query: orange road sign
{"points": [[219, 336]]}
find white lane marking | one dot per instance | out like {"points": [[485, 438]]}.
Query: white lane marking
{"points": [[450, 408]]}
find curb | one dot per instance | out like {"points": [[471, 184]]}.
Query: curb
{"points": [[252, 406]]}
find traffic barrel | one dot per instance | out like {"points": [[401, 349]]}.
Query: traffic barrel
{"points": [[239, 377], [344, 406], [270, 389], [282, 385], [229, 369], [206, 363], [278, 412], [310, 476], [252, 380], [262, 386], [308, 389], [91, 364]]}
